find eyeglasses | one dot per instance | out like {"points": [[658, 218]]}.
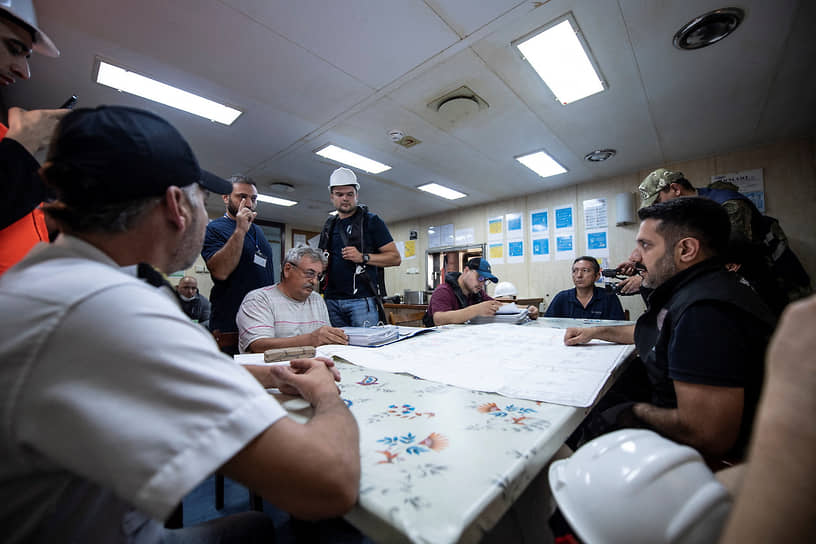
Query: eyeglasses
{"points": [[309, 273], [481, 279]]}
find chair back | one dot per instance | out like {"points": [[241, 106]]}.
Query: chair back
{"points": [[227, 341]]}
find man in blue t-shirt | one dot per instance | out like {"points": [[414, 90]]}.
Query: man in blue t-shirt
{"points": [[585, 301], [237, 254], [359, 247]]}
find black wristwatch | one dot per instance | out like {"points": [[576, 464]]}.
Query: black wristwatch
{"points": [[366, 257]]}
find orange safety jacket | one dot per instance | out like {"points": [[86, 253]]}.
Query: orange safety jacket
{"points": [[19, 237]]}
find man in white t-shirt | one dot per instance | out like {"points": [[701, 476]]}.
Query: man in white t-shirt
{"points": [[115, 404], [290, 313]]}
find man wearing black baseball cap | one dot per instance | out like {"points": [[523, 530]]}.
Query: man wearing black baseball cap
{"points": [[117, 405], [462, 296]]}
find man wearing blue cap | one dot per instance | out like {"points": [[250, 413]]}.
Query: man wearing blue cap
{"points": [[116, 405], [462, 296]]}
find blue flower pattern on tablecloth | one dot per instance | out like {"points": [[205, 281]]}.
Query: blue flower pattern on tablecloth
{"points": [[393, 444], [406, 443]]}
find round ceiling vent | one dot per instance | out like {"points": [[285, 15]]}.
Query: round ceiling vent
{"points": [[600, 155], [708, 28], [458, 107], [281, 187]]}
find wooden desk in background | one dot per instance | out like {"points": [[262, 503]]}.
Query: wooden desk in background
{"points": [[409, 310]]}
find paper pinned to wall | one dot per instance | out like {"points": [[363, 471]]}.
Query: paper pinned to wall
{"points": [[564, 219], [409, 250], [564, 247], [514, 226], [495, 253], [540, 223], [597, 242], [495, 228], [541, 250], [596, 214], [515, 251]]}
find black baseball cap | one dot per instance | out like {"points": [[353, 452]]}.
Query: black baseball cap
{"points": [[137, 153]]}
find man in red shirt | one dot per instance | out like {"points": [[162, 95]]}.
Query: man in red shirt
{"points": [[22, 224]]}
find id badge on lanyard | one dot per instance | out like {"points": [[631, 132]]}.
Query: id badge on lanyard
{"points": [[259, 258]]}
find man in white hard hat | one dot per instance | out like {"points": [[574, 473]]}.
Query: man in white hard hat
{"points": [[22, 223], [701, 341], [359, 247]]}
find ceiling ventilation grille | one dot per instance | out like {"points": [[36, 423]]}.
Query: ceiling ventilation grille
{"points": [[458, 104]]}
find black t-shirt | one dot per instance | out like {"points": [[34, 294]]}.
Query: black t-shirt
{"points": [[342, 282]]}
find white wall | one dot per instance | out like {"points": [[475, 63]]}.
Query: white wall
{"points": [[790, 195]]}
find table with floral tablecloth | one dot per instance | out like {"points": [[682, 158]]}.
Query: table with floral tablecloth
{"points": [[441, 464]]}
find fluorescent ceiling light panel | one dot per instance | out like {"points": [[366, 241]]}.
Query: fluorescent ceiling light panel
{"points": [[276, 201], [542, 164], [350, 158], [133, 83], [562, 61], [441, 190]]}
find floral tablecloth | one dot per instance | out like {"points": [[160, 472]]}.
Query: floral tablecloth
{"points": [[440, 463]]}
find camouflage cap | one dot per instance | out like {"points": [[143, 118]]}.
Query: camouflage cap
{"points": [[654, 183]]}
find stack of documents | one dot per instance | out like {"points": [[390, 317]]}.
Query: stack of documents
{"points": [[508, 313], [371, 336]]}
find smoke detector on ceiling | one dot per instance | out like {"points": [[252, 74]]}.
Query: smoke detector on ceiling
{"points": [[400, 138]]}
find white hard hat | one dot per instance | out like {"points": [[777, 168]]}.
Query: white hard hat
{"points": [[343, 176], [505, 289], [635, 486], [24, 11]]}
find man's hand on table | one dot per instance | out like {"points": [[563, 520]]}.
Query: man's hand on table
{"points": [[576, 335], [280, 376], [328, 335], [309, 378], [532, 312]]}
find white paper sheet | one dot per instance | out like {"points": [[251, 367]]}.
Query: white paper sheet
{"points": [[528, 361]]}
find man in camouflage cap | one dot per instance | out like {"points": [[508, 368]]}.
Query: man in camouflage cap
{"points": [[662, 185], [758, 243]]}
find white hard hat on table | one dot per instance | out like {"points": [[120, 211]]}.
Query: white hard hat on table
{"points": [[505, 289], [343, 176], [24, 11], [633, 485]]}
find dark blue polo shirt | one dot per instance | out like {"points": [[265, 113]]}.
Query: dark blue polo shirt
{"points": [[604, 305], [226, 296]]}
